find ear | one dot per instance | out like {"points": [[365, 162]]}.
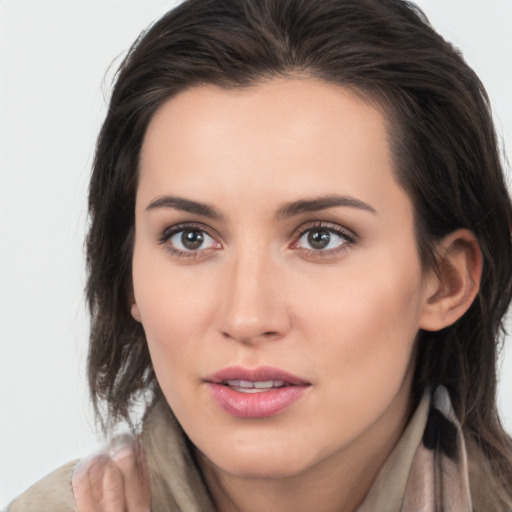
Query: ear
{"points": [[450, 291], [135, 310]]}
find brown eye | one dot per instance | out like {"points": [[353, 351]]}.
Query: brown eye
{"points": [[319, 238], [192, 239], [323, 239]]}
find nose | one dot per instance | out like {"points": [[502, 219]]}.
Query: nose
{"points": [[253, 305]]}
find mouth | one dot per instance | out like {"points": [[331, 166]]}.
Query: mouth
{"points": [[255, 393], [247, 386], [263, 377]]}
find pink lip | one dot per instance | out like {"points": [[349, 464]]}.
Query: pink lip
{"points": [[255, 405]]}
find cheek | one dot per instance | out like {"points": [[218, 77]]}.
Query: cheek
{"points": [[362, 326], [175, 308]]}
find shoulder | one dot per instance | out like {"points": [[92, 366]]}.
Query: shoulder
{"points": [[53, 493], [487, 491], [106, 482]]}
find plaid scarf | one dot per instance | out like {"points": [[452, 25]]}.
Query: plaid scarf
{"points": [[438, 479]]}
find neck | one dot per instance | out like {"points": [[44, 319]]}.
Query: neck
{"points": [[312, 490], [338, 483]]}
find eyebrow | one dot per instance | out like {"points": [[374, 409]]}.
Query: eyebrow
{"points": [[186, 205], [284, 212], [321, 203]]}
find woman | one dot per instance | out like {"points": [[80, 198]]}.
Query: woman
{"points": [[299, 256]]}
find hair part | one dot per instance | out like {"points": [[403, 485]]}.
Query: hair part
{"points": [[440, 133]]}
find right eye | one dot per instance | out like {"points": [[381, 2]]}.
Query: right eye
{"points": [[188, 240]]}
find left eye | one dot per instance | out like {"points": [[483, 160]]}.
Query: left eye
{"points": [[192, 239], [321, 239]]}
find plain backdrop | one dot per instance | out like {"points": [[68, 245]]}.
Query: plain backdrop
{"points": [[57, 60]]}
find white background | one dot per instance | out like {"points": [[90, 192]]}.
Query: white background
{"points": [[54, 55]]}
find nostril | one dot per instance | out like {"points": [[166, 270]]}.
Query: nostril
{"points": [[251, 338]]}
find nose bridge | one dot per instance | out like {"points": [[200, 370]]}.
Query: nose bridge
{"points": [[252, 304]]}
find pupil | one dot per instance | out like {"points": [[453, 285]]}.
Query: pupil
{"points": [[319, 239], [192, 239]]}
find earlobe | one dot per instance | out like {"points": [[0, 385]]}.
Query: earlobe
{"points": [[135, 311], [451, 290]]}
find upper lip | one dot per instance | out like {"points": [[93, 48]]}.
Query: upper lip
{"points": [[260, 374]]}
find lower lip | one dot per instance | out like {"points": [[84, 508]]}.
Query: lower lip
{"points": [[256, 405]]}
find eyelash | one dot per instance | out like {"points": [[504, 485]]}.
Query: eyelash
{"points": [[349, 237], [170, 231]]}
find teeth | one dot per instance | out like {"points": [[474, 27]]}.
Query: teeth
{"points": [[250, 390], [247, 386], [264, 384]]}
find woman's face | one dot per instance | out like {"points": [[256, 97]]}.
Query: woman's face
{"points": [[276, 274]]}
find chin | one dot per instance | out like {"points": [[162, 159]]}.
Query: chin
{"points": [[260, 462]]}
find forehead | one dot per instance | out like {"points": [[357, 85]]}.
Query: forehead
{"points": [[290, 104], [301, 136]]}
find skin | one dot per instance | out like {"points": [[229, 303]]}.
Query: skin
{"points": [[256, 292]]}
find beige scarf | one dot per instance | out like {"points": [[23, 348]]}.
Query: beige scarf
{"points": [[427, 471]]}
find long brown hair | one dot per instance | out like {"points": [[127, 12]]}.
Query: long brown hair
{"points": [[441, 135]]}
